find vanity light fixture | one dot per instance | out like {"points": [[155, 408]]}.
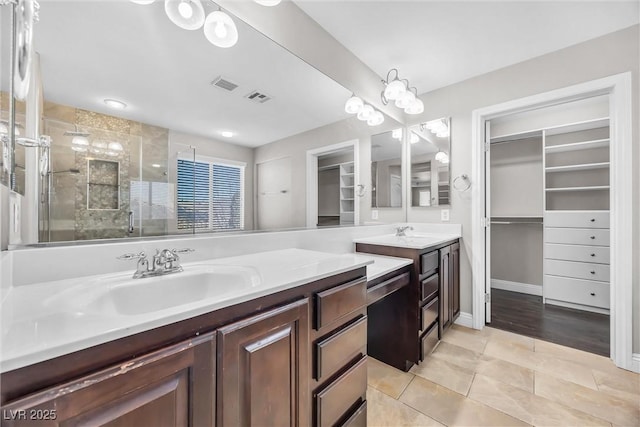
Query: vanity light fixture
{"points": [[220, 29], [186, 14], [442, 157], [364, 112], [226, 133], [376, 119], [438, 127], [400, 91], [268, 2], [353, 105], [115, 104]]}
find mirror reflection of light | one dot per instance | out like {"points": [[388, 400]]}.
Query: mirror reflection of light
{"points": [[414, 138], [396, 134]]}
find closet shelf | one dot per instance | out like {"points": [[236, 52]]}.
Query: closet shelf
{"points": [[346, 186], [578, 167], [583, 145], [594, 187]]}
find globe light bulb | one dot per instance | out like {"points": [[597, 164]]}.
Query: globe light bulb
{"points": [[394, 90], [365, 112], [220, 30], [185, 9], [353, 105], [405, 99]]}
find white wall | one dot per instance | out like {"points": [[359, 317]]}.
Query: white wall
{"points": [[604, 56], [179, 141]]}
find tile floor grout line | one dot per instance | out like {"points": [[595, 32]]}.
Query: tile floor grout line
{"points": [[406, 387]]}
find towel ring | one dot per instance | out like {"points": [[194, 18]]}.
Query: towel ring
{"points": [[464, 186]]}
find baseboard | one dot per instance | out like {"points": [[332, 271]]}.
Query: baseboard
{"points": [[465, 319], [635, 362], [577, 306], [523, 288]]}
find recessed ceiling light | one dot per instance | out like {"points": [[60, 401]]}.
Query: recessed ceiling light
{"points": [[226, 133], [115, 104]]}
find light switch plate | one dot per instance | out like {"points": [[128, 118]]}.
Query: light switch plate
{"points": [[374, 214], [444, 215]]}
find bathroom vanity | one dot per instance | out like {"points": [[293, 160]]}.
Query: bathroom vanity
{"points": [[428, 304], [296, 339]]}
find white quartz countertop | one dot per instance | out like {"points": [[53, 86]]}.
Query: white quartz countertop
{"points": [[410, 241], [46, 320], [382, 264]]}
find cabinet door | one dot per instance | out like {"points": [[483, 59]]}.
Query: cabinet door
{"points": [[263, 369], [455, 280], [445, 275], [164, 388]]}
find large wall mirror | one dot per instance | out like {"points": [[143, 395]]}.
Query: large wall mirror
{"points": [[386, 169], [186, 121], [430, 154]]}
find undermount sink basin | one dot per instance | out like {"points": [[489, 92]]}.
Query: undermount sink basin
{"points": [[195, 284]]}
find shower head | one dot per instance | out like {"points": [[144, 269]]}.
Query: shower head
{"points": [[76, 133]]}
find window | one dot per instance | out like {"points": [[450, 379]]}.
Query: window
{"points": [[210, 195]]}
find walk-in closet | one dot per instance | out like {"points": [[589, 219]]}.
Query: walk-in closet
{"points": [[548, 195], [336, 189]]}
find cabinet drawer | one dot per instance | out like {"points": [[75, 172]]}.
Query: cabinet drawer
{"points": [[358, 418], [577, 236], [429, 314], [595, 254], [429, 287], [429, 341], [428, 262], [336, 302], [583, 219], [333, 402], [576, 291], [577, 270], [336, 350], [381, 290]]}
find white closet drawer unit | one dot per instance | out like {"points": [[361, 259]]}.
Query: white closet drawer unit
{"points": [[585, 292], [577, 236], [578, 270], [595, 254], [578, 219]]}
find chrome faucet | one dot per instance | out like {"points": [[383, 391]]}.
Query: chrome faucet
{"points": [[163, 262], [400, 231]]}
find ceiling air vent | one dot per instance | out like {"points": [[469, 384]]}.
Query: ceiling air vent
{"points": [[258, 97], [224, 84]]}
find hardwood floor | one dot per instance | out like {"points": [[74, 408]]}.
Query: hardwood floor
{"points": [[525, 314]]}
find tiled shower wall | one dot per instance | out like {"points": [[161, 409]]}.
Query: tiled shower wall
{"points": [[142, 146]]}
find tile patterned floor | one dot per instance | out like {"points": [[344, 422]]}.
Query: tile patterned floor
{"points": [[496, 378]]}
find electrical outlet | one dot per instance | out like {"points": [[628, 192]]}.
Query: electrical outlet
{"points": [[444, 215], [374, 214]]}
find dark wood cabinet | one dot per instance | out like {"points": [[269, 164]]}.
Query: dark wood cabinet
{"points": [[260, 362], [421, 315], [263, 369], [168, 387]]}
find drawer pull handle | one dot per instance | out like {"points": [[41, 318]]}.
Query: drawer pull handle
{"points": [[593, 220], [593, 294], [593, 237], [593, 272], [593, 254]]}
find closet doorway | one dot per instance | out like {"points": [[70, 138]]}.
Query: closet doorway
{"points": [[562, 162], [332, 185], [548, 199]]}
